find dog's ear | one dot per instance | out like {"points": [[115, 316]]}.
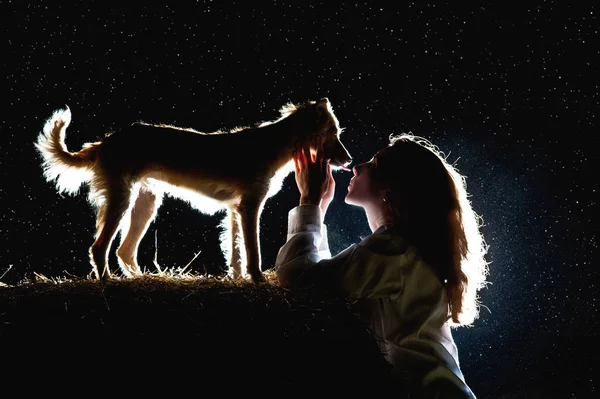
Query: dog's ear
{"points": [[322, 107]]}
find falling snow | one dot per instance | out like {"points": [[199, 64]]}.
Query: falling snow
{"points": [[511, 94]]}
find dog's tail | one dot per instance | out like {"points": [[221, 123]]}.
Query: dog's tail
{"points": [[69, 169]]}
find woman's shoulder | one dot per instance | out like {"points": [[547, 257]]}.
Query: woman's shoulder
{"points": [[386, 259], [379, 265]]}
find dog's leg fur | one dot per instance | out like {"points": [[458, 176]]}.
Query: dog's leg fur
{"points": [[143, 212], [236, 252], [250, 209], [111, 209]]}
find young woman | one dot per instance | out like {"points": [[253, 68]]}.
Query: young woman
{"points": [[416, 276]]}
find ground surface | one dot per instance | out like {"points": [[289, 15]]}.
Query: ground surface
{"points": [[199, 329]]}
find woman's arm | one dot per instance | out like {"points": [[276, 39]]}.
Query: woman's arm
{"points": [[373, 268], [305, 258], [307, 242]]}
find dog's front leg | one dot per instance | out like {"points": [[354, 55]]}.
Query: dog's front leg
{"points": [[236, 250], [249, 210]]}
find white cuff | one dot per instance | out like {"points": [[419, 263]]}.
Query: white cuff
{"points": [[305, 218]]}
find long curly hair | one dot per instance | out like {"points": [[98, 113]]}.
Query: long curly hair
{"points": [[430, 196]]}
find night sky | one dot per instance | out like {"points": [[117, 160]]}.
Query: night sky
{"points": [[508, 92]]}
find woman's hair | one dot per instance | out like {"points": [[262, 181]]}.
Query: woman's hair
{"points": [[430, 196]]}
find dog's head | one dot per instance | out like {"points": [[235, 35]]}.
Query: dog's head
{"points": [[325, 134]]}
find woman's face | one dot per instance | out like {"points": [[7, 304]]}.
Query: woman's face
{"points": [[364, 189]]}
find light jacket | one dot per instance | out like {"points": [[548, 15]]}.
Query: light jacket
{"points": [[400, 296]]}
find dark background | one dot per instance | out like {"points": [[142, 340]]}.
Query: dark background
{"points": [[508, 92]]}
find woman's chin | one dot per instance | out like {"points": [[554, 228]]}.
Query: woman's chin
{"points": [[349, 199]]}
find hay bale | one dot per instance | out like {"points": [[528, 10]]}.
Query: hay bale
{"points": [[184, 326]]}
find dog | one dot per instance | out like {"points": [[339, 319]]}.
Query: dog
{"points": [[130, 170]]}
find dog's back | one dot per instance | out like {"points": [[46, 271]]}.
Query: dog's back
{"points": [[243, 155]]}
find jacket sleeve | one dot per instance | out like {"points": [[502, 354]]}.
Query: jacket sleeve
{"points": [[370, 269], [305, 258]]}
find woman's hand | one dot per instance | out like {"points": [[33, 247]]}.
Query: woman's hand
{"points": [[328, 195], [314, 179]]}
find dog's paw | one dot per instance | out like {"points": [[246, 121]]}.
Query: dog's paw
{"points": [[234, 273], [259, 279]]}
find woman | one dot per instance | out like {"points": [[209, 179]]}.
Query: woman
{"points": [[416, 276]]}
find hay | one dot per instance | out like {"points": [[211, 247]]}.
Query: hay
{"points": [[165, 320]]}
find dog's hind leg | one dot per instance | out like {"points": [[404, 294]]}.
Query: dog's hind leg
{"points": [[250, 209], [143, 212], [116, 198]]}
